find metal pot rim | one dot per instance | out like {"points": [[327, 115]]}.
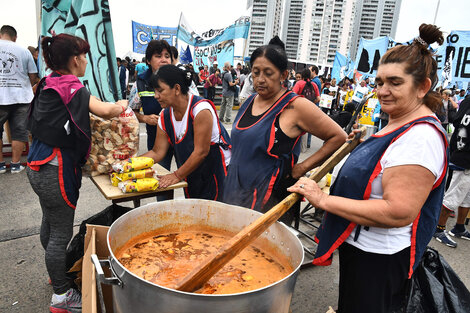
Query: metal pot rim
{"points": [[114, 260]]}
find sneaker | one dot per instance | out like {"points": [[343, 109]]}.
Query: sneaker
{"points": [[463, 234], [445, 239], [3, 167], [71, 304], [16, 168]]}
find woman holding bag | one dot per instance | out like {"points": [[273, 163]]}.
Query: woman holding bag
{"points": [[59, 121]]}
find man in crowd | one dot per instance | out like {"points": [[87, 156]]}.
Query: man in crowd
{"points": [[123, 76], [457, 195], [213, 68], [17, 75], [228, 94], [460, 95], [141, 68], [315, 79], [359, 93]]}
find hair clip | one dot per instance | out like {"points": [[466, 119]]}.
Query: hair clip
{"points": [[421, 41]]}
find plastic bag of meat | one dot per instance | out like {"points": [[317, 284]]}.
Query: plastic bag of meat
{"points": [[112, 140]]}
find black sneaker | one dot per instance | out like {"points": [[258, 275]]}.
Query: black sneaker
{"points": [[463, 234]]}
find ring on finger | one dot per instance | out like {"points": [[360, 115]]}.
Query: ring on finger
{"points": [[302, 186]]}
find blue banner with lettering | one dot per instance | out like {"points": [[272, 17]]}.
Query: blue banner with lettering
{"points": [[453, 58], [221, 52], [214, 45], [239, 29], [369, 53], [91, 21], [142, 34]]}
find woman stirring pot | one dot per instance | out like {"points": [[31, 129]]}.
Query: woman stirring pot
{"points": [[384, 205]]}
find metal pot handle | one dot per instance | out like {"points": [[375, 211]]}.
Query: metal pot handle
{"points": [[114, 280]]}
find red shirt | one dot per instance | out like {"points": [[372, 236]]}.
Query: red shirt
{"points": [[299, 87], [203, 75], [214, 81]]}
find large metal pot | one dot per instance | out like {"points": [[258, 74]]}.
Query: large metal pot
{"points": [[133, 294]]}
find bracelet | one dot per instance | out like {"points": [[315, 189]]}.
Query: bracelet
{"points": [[177, 176]]}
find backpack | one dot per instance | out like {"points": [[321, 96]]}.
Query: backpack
{"points": [[234, 87], [308, 91]]}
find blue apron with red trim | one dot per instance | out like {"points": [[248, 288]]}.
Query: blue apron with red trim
{"points": [[206, 181], [150, 105], [354, 182], [254, 173]]}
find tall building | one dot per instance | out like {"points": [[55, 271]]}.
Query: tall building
{"points": [[374, 18], [315, 29], [265, 22]]}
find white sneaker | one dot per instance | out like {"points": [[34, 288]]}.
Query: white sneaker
{"points": [[71, 302], [16, 168]]}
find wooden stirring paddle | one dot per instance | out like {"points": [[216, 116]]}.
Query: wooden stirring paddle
{"points": [[203, 272]]}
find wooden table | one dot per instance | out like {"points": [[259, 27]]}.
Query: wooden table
{"points": [[103, 182]]}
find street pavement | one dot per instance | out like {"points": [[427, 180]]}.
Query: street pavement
{"points": [[24, 280]]}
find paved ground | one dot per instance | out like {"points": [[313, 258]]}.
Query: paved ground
{"points": [[23, 276]]}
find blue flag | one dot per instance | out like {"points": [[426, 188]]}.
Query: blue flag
{"points": [[91, 21], [342, 67], [186, 57], [338, 64]]}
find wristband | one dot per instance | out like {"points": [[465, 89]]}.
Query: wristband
{"points": [[177, 176]]}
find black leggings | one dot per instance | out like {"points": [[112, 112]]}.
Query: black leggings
{"points": [[56, 226], [371, 282]]}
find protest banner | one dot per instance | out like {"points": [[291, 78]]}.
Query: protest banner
{"points": [[142, 34], [221, 52], [213, 45], [369, 53], [91, 21], [453, 58]]}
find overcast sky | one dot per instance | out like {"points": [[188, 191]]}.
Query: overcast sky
{"points": [[203, 15]]}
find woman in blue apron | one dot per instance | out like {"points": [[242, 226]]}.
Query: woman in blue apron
{"points": [[384, 205], [266, 136], [189, 124]]}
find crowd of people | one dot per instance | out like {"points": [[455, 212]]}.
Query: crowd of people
{"points": [[380, 225]]}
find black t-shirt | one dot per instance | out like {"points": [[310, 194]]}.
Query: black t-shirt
{"points": [[460, 141]]}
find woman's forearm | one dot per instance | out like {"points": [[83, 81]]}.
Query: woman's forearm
{"points": [[192, 163]]}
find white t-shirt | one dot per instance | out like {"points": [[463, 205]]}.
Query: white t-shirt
{"points": [[334, 90], [360, 93], [180, 126], [421, 145], [15, 64], [342, 93]]}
